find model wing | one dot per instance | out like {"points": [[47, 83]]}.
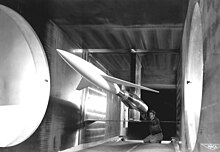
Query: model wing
{"points": [[126, 83], [83, 84]]}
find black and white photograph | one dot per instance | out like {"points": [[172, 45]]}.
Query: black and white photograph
{"points": [[109, 75]]}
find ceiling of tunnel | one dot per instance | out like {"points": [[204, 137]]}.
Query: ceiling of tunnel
{"points": [[118, 12], [111, 28]]}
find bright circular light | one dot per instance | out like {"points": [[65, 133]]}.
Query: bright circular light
{"points": [[24, 79]]}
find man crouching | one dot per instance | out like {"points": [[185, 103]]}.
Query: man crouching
{"points": [[156, 134]]}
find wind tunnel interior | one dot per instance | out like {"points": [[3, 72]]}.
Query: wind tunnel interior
{"points": [[75, 117], [68, 122]]}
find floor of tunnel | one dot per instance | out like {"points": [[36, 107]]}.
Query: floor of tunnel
{"points": [[131, 146]]}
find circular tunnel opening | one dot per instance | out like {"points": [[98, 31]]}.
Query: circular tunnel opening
{"points": [[24, 79], [193, 79]]}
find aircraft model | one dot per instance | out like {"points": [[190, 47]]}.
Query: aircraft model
{"points": [[93, 75]]}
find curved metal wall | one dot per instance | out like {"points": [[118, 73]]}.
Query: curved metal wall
{"points": [[24, 79], [208, 137]]}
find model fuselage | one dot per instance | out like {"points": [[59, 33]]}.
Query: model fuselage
{"points": [[98, 78]]}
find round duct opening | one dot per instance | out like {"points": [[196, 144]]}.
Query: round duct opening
{"points": [[194, 79], [24, 79]]}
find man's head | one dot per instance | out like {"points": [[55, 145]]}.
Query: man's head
{"points": [[152, 114]]}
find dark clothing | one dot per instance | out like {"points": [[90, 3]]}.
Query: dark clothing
{"points": [[155, 126], [156, 134], [157, 138]]}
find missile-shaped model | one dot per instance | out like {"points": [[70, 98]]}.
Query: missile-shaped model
{"points": [[93, 75]]}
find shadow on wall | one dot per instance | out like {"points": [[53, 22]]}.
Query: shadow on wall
{"points": [[56, 132]]}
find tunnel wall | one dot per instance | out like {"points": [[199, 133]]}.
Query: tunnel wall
{"points": [[112, 127], [63, 83], [209, 130], [208, 138], [101, 115]]}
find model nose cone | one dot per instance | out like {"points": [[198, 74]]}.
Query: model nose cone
{"points": [[70, 59], [61, 53]]}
